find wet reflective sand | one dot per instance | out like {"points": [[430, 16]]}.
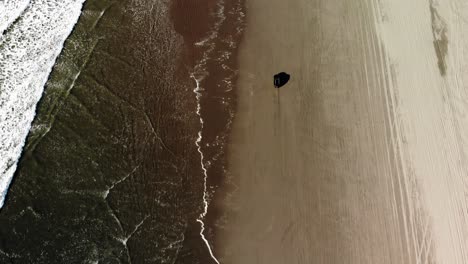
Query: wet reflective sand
{"points": [[361, 157]]}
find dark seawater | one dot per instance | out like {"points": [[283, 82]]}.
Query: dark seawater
{"points": [[111, 172]]}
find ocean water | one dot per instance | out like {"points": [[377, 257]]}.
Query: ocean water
{"points": [[119, 166], [33, 33], [110, 172]]}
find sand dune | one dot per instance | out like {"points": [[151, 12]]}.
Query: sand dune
{"points": [[362, 157]]}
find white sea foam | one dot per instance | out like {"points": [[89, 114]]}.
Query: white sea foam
{"points": [[33, 33], [10, 11]]}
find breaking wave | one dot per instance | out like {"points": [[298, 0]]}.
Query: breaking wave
{"points": [[32, 36]]}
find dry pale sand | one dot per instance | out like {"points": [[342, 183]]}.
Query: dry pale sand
{"points": [[362, 157]]}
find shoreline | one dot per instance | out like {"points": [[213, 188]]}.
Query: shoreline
{"points": [[211, 57], [160, 137]]}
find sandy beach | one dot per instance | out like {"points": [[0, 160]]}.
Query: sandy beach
{"points": [[361, 157], [160, 137]]}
